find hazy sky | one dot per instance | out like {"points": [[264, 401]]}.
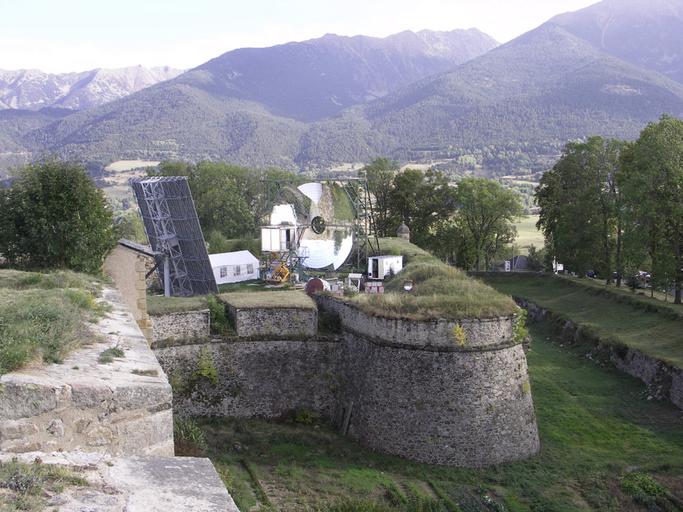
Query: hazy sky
{"points": [[74, 35]]}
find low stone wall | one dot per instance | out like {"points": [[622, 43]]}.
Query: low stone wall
{"points": [[186, 325], [242, 379], [438, 334], [274, 323], [122, 408], [664, 380], [137, 484]]}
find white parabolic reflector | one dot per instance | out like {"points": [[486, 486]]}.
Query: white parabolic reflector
{"points": [[333, 245]]}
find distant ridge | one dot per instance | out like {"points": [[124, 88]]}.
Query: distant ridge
{"points": [[32, 89], [314, 104]]}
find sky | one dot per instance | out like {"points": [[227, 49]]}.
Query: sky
{"points": [[76, 35]]}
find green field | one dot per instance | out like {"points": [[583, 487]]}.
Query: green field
{"points": [[527, 234], [605, 447], [633, 323]]}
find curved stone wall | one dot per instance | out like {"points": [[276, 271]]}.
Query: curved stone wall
{"points": [[463, 408], [440, 392], [418, 390]]}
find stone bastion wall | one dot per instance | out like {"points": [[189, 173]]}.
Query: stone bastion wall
{"points": [[439, 392]]}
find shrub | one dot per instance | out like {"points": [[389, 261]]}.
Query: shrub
{"points": [[220, 323], [459, 335], [643, 488], [55, 217], [205, 368]]}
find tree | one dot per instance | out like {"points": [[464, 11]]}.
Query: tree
{"points": [[652, 180], [421, 200], [580, 207], [230, 200], [54, 217], [486, 213], [380, 175]]}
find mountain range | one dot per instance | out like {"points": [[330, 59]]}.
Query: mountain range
{"points": [[436, 96], [32, 89]]}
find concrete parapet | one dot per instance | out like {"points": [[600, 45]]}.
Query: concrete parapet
{"points": [[139, 484]]}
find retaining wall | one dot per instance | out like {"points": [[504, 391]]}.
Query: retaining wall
{"points": [[441, 392], [664, 380], [186, 325], [267, 379]]}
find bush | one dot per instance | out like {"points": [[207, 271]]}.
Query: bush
{"points": [[643, 488], [186, 431], [55, 217]]}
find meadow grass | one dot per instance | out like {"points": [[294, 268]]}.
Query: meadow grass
{"points": [[637, 324], [596, 427], [264, 299], [43, 317], [527, 234], [160, 305]]}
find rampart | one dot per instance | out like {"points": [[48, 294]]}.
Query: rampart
{"points": [[439, 392]]}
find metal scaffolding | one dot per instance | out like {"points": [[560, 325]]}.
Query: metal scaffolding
{"points": [[173, 229]]}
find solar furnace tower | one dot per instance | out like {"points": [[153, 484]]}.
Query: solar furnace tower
{"points": [[173, 229]]}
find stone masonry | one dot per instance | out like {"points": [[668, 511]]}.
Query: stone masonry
{"points": [[439, 392], [186, 325], [121, 408]]}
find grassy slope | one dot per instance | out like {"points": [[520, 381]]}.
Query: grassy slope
{"points": [[595, 423], [439, 291], [655, 334], [43, 317]]}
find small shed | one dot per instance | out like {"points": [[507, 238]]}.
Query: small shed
{"points": [[381, 266], [233, 267]]}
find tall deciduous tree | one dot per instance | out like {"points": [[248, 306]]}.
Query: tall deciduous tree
{"points": [[652, 180], [580, 206], [380, 175], [486, 213], [421, 200], [55, 217]]}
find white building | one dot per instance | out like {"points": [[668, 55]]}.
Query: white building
{"points": [[233, 267], [381, 266]]}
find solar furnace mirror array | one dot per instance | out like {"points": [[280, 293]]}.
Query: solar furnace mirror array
{"points": [[173, 229]]}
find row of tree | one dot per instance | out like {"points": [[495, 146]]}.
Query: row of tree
{"points": [[54, 216], [616, 207], [468, 223]]}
